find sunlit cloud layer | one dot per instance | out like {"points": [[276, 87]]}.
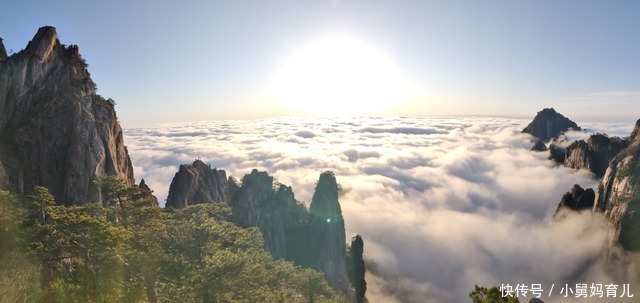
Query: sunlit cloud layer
{"points": [[442, 203]]}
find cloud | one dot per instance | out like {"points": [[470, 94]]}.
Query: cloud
{"points": [[442, 203], [402, 130]]}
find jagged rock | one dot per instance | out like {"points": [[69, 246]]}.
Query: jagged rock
{"points": [[3, 51], [548, 123], [197, 183], [539, 146], [62, 134], [557, 153], [577, 155], [618, 194], [357, 268], [148, 193], [311, 238], [275, 211], [326, 226], [577, 199], [594, 154], [602, 149]]}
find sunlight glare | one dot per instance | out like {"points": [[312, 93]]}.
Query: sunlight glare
{"points": [[338, 75]]}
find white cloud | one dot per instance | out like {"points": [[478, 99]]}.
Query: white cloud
{"points": [[441, 203]]}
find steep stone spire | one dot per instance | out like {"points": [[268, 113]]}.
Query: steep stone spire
{"points": [[43, 43], [326, 225]]}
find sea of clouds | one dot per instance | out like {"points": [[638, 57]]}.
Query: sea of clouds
{"points": [[441, 203]]}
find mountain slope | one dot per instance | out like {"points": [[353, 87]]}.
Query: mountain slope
{"points": [[55, 131]]}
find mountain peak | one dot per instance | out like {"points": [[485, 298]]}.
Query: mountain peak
{"points": [[548, 123], [43, 43], [325, 199], [3, 51]]}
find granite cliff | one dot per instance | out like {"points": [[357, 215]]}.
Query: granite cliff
{"points": [[548, 123], [326, 227], [312, 238], [595, 154], [55, 131], [576, 199], [272, 207], [197, 183], [618, 194]]}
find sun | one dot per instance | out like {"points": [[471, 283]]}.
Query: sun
{"points": [[338, 75]]}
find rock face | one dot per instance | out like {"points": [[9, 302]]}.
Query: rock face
{"points": [[258, 202], [577, 199], [548, 123], [3, 51], [312, 238], [618, 194], [594, 154], [62, 135], [326, 226], [148, 193], [539, 146], [357, 269], [197, 183]]}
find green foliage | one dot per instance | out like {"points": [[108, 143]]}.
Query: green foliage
{"points": [[19, 276], [209, 259], [482, 294], [129, 250]]}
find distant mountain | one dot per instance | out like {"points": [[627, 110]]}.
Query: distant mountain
{"points": [[548, 123], [55, 131]]}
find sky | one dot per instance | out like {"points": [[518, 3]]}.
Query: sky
{"points": [[442, 203], [170, 61]]}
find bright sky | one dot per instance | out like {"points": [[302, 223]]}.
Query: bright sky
{"points": [[167, 61]]}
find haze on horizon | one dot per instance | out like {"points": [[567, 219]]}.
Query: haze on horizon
{"points": [[172, 62]]}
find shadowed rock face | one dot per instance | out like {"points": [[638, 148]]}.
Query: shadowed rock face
{"points": [[357, 268], [594, 154], [275, 211], [618, 194], [197, 183], [61, 134], [311, 238], [148, 193], [539, 146], [3, 51], [327, 232], [548, 123], [577, 199]]}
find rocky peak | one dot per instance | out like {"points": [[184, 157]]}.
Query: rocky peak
{"points": [[325, 198], [326, 225], [56, 131], [577, 199], [594, 154], [3, 51], [43, 43], [272, 207], [148, 193], [197, 183], [548, 123]]}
